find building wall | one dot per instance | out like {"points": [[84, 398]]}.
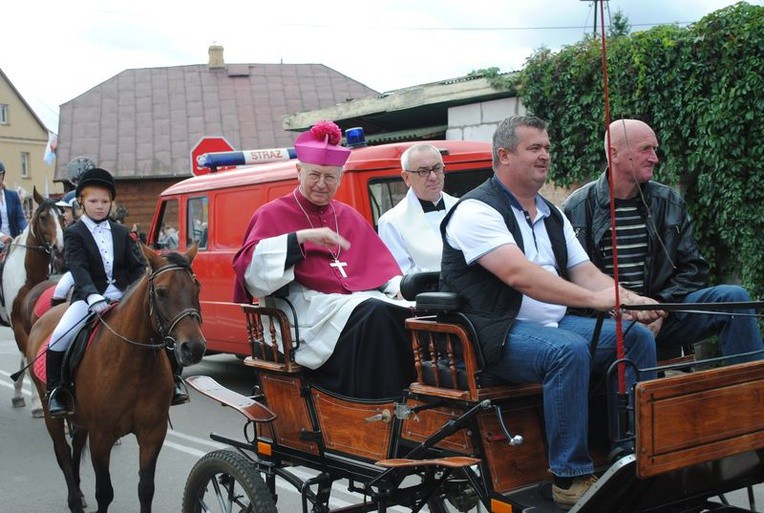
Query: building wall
{"points": [[140, 198], [24, 133], [478, 121]]}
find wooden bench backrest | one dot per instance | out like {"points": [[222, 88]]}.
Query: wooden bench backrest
{"points": [[447, 364], [269, 336]]}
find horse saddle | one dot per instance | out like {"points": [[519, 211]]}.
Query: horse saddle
{"points": [[73, 355], [75, 352], [77, 349]]}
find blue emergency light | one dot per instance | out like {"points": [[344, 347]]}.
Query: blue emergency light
{"points": [[240, 158], [354, 136]]}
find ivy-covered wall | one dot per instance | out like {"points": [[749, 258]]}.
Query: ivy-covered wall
{"points": [[701, 88]]}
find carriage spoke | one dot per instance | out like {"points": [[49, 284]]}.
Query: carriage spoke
{"points": [[219, 495], [227, 496]]}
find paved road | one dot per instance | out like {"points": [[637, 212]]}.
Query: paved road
{"points": [[30, 480]]}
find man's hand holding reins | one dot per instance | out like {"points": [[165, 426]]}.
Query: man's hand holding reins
{"points": [[644, 316]]}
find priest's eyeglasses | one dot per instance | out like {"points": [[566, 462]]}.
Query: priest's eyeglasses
{"points": [[424, 172]]}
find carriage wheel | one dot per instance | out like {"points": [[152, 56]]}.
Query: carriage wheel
{"points": [[224, 481]]}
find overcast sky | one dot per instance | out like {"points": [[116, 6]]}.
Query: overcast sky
{"points": [[53, 51]]}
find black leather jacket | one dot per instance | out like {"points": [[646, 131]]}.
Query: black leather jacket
{"points": [[674, 266]]}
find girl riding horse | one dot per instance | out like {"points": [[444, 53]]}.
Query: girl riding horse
{"points": [[103, 260]]}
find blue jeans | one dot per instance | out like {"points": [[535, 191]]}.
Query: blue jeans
{"points": [[560, 359], [737, 334]]}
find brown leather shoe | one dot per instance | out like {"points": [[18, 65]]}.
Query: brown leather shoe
{"points": [[566, 498]]}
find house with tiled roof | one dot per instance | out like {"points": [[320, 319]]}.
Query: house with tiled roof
{"points": [[142, 123], [23, 140]]}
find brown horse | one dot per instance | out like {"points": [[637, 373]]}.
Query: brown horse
{"points": [[32, 257], [124, 383]]}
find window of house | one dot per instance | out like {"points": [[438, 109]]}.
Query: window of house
{"points": [[24, 164], [3, 114]]}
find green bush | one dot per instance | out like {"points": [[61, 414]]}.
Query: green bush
{"points": [[701, 88]]}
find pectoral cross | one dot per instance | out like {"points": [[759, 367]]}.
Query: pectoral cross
{"points": [[340, 266]]}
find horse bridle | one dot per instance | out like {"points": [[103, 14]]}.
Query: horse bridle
{"points": [[166, 333], [45, 247], [168, 342]]}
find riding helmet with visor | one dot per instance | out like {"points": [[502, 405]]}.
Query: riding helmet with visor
{"points": [[68, 200]]}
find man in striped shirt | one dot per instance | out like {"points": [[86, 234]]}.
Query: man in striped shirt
{"points": [[657, 253]]}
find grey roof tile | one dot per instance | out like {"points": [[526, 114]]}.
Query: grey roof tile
{"points": [[144, 122]]}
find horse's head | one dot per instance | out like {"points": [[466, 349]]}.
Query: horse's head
{"points": [[46, 225], [174, 303]]}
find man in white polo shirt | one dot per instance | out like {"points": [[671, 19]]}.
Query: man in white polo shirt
{"points": [[411, 229]]}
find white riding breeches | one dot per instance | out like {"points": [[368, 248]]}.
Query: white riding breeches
{"points": [[71, 322], [64, 285]]}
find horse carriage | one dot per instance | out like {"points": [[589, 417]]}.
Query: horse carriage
{"points": [[456, 441]]}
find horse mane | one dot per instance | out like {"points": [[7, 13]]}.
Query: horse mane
{"points": [[47, 202], [173, 258], [178, 259]]}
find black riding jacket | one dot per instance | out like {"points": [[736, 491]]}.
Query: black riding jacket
{"points": [[674, 266]]}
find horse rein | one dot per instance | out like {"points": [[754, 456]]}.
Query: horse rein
{"points": [[168, 342]]}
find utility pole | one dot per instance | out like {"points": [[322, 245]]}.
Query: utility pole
{"points": [[594, 2]]}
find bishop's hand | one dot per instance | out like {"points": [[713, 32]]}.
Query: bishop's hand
{"points": [[322, 236]]}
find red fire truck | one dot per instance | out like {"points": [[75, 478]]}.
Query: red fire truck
{"points": [[214, 209]]}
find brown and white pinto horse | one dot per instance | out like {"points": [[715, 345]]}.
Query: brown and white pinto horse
{"points": [[31, 258], [124, 383]]}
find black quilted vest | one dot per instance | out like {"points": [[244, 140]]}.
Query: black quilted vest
{"points": [[490, 304]]}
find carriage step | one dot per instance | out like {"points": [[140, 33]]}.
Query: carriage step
{"points": [[250, 408], [450, 461]]}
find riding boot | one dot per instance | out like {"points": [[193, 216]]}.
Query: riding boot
{"points": [[179, 392], [53, 363]]}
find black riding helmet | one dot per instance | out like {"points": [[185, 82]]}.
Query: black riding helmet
{"points": [[99, 177]]}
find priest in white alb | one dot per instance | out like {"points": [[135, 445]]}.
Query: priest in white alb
{"points": [[411, 229], [342, 281]]}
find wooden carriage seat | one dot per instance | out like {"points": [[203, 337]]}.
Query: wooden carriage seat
{"points": [[272, 352], [342, 424], [447, 362], [269, 336]]}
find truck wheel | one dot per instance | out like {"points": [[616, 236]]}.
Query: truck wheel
{"points": [[224, 481]]}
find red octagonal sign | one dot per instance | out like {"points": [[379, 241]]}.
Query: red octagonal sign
{"points": [[208, 145]]}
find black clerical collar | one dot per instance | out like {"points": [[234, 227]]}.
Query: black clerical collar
{"points": [[429, 206]]}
